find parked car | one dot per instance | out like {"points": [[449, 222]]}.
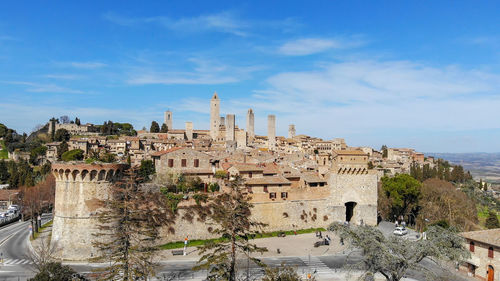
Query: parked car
{"points": [[400, 231]]}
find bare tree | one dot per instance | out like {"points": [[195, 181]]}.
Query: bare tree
{"points": [[42, 254], [64, 119], [230, 215]]}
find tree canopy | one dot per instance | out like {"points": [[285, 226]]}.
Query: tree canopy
{"points": [[72, 155], [394, 256], [403, 192], [62, 135], [155, 128]]}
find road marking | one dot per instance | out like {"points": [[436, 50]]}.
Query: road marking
{"points": [[17, 261], [316, 264]]}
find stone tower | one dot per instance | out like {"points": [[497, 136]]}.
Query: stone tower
{"points": [[79, 186], [230, 126], [271, 131], [214, 116], [291, 131], [250, 124], [168, 119], [189, 131]]}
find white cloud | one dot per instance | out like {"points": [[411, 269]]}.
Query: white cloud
{"points": [[308, 46], [226, 22], [87, 65], [63, 76], [206, 72], [43, 88]]}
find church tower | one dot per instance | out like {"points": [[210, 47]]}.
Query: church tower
{"points": [[214, 116]]}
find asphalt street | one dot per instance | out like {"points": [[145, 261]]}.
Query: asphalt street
{"points": [[14, 250], [16, 266]]}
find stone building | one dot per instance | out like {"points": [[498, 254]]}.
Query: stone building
{"points": [[186, 161], [291, 131], [484, 247]]}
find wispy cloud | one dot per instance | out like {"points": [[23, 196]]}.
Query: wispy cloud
{"points": [[308, 46], [63, 76], [207, 72], [87, 64], [488, 41], [43, 88], [226, 22]]}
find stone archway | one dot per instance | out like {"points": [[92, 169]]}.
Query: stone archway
{"points": [[349, 210]]}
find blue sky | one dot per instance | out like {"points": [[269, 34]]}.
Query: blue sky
{"points": [[423, 74]]}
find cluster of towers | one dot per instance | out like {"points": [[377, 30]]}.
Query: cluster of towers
{"points": [[229, 121], [229, 125]]}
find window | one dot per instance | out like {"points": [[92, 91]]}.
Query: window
{"points": [[183, 162], [265, 188], [471, 246], [272, 195], [170, 163], [250, 174], [197, 163], [490, 252], [284, 195]]}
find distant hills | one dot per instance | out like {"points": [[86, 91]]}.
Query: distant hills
{"points": [[482, 165]]}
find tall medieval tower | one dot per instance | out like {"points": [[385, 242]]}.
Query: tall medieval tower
{"points": [[250, 124], [271, 131], [214, 116], [168, 120]]}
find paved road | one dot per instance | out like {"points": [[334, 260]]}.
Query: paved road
{"points": [[331, 267], [14, 250]]}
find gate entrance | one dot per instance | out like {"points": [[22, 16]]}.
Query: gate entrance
{"points": [[349, 210]]}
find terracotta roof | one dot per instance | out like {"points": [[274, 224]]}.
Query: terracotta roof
{"points": [[159, 153], [270, 168], [268, 180], [245, 167], [350, 152], [312, 177], [4, 194], [490, 236]]}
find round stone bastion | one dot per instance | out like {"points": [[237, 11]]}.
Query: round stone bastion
{"points": [[79, 189]]}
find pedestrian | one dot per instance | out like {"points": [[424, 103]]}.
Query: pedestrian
{"points": [[403, 224], [320, 236], [341, 241], [396, 223]]}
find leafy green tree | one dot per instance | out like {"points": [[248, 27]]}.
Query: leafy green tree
{"points": [[146, 169], [164, 128], [107, 158], [62, 135], [394, 256], [72, 155], [403, 191], [155, 128], [77, 121], [4, 172], [384, 151], [55, 271], [3, 130], [230, 213], [61, 149], [213, 186], [492, 220], [370, 165]]}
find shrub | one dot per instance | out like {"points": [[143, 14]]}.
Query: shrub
{"points": [[72, 155]]}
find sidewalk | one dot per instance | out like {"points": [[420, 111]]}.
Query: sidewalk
{"points": [[291, 245]]}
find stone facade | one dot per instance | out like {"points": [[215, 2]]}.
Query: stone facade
{"points": [[77, 188], [484, 247], [250, 124], [214, 116], [167, 120], [271, 131], [230, 127]]}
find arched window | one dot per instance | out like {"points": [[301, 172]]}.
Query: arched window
{"points": [[490, 252], [471, 246]]}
